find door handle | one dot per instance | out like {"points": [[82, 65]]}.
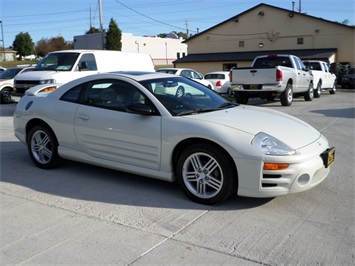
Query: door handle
{"points": [[83, 117]]}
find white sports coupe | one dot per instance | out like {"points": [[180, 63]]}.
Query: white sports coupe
{"points": [[142, 123]]}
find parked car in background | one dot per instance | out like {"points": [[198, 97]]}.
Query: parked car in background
{"points": [[66, 65], [270, 76], [187, 73], [323, 79], [348, 80], [7, 81], [213, 147], [220, 81]]}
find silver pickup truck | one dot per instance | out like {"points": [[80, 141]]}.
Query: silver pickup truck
{"points": [[270, 76]]}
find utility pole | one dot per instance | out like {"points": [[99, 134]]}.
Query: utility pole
{"points": [[90, 17], [187, 29], [101, 26], [3, 45]]}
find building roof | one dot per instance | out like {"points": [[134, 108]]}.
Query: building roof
{"points": [[260, 5], [249, 56]]}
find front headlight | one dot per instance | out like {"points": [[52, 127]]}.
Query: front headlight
{"points": [[47, 81], [270, 145]]}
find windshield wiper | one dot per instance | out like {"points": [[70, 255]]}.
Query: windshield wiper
{"points": [[198, 111], [227, 104]]}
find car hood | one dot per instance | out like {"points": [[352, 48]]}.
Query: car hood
{"points": [[35, 75], [290, 130]]}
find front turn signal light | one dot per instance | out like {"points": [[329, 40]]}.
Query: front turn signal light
{"points": [[275, 166], [48, 89]]}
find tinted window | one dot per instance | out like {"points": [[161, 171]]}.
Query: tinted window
{"points": [[273, 61], [113, 94], [72, 95]]}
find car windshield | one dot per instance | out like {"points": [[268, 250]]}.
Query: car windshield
{"points": [[9, 73], [182, 96], [57, 62]]}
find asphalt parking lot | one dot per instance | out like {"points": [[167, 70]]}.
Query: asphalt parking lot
{"points": [[81, 214]]}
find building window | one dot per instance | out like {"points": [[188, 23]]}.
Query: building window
{"points": [[241, 43], [299, 40], [227, 67]]}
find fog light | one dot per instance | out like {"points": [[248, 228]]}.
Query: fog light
{"points": [[303, 180], [275, 166]]}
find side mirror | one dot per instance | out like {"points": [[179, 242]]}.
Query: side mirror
{"points": [[138, 108], [83, 66]]}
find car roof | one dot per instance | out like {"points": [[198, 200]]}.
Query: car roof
{"points": [[140, 75], [218, 72]]}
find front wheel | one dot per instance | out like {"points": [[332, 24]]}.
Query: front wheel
{"points": [[43, 147], [309, 95], [333, 90], [206, 174], [6, 96], [318, 91]]}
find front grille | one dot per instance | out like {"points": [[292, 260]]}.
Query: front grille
{"points": [[24, 82], [22, 85]]}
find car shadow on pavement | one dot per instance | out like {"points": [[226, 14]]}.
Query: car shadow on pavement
{"points": [[343, 113], [95, 184]]}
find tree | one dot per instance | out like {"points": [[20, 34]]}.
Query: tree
{"points": [[45, 45], [113, 37], [93, 30], [23, 44]]}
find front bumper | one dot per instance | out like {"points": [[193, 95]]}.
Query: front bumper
{"points": [[306, 170]]}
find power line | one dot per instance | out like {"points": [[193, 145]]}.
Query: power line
{"points": [[153, 19]]}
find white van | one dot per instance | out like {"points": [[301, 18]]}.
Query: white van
{"points": [[64, 66]]}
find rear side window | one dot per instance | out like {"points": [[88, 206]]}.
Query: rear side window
{"points": [[87, 62]]}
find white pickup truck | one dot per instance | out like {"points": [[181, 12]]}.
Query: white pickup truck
{"points": [[270, 76], [323, 79]]}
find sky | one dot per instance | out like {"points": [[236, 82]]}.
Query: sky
{"points": [[69, 18]]}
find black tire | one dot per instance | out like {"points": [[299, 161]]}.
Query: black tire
{"points": [[286, 96], [6, 96], [180, 91], [43, 147], [333, 90], [206, 174], [309, 94], [241, 97], [318, 91]]}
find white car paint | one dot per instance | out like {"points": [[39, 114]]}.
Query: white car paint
{"points": [[187, 73], [145, 144], [220, 81]]}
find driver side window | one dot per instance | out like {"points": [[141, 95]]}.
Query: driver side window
{"points": [[113, 94]]}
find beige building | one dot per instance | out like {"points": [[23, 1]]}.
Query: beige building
{"points": [[266, 29]]}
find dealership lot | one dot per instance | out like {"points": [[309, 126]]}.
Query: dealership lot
{"points": [[81, 214]]}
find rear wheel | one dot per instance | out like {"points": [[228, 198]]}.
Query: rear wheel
{"points": [[241, 97], [206, 173], [286, 96], [43, 147]]}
